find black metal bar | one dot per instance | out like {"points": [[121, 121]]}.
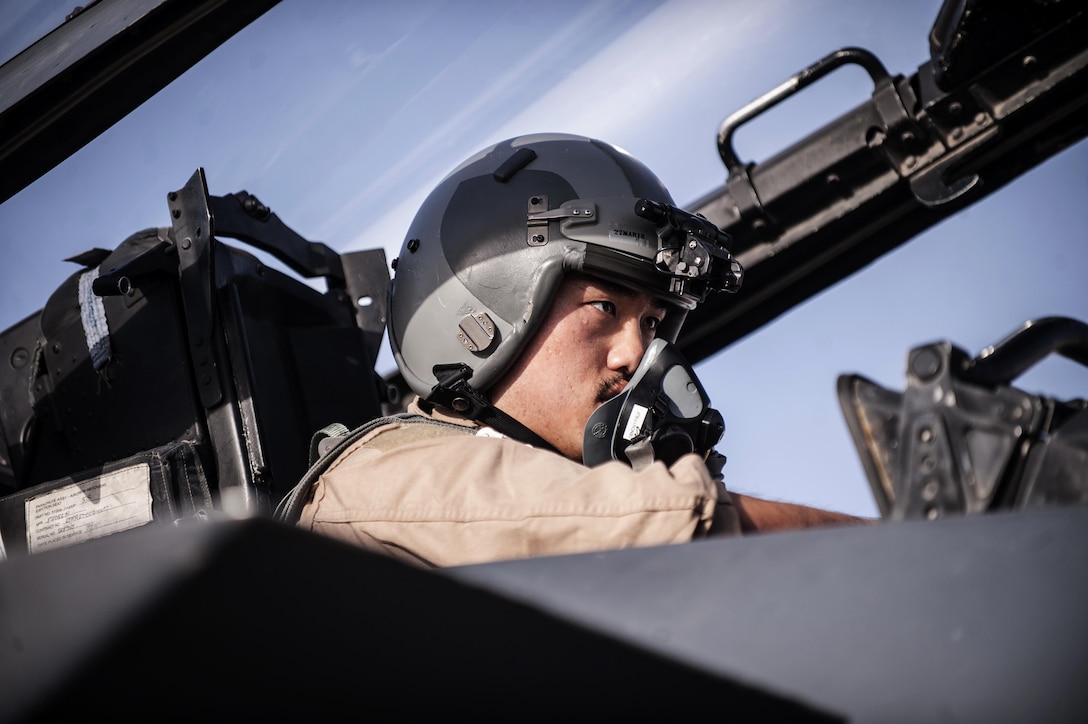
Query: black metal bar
{"points": [[194, 238], [870, 180], [797, 82], [242, 216], [1003, 362], [77, 81]]}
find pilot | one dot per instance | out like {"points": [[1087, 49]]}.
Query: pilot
{"points": [[526, 293]]}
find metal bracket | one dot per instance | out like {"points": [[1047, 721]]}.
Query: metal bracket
{"points": [[538, 226], [366, 282], [192, 221], [932, 187], [124, 279], [961, 440], [575, 210], [242, 216]]}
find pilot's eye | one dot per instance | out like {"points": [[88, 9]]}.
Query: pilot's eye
{"points": [[605, 306]]}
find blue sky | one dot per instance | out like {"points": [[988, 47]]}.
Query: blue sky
{"points": [[342, 115]]}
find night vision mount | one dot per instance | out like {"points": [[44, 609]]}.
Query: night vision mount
{"points": [[692, 247]]}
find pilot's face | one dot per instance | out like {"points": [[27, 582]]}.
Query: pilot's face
{"points": [[583, 354]]}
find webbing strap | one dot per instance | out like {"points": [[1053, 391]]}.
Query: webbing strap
{"points": [[93, 316], [336, 429]]}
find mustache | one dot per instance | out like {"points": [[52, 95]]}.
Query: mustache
{"points": [[609, 388]]}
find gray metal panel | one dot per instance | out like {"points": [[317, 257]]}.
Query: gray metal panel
{"points": [[254, 620], [971, 619]]}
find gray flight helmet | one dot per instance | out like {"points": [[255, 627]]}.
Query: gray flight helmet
{"points": [[485, 254]]}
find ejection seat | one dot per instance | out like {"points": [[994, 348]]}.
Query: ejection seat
{"points": [[177, 376]]}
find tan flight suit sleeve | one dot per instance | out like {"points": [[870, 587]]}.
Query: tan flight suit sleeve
{"points": [[463, 499]]}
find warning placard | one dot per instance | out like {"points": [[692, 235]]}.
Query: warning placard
{"points": [[89, 509]]}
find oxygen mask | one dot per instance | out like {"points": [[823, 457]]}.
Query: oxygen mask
{"points": [[662, 414]]}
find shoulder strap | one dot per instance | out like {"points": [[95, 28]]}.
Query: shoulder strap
{"points": [[327, 444]]}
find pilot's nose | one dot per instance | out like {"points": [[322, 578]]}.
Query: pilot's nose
{"points": [[628, 346]]}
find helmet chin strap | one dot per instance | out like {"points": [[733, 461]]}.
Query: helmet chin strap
{"points": [[454, 392]]}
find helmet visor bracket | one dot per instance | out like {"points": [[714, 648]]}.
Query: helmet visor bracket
{"points": [[539, 215]]}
